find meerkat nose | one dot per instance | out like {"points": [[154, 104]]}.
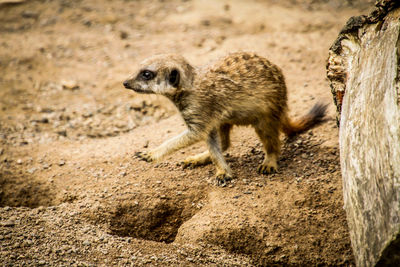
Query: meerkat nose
{"points": [[126, 84]]}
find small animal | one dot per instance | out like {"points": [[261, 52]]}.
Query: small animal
{"points": [[240, 89]]}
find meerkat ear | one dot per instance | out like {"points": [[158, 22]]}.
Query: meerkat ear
{"points": [[174, 78]]}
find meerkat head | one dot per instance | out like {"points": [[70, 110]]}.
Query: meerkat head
{"points": [[161, 74]]}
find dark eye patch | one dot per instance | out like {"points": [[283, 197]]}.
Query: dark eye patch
{"points": [[147, 75], [174, 78]]}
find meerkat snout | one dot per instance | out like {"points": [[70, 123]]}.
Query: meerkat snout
{"points": [[126, 84]]}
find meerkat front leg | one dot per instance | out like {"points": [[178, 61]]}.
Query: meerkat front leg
{"points": [[204, 157], [185, 139], [224, 173]]}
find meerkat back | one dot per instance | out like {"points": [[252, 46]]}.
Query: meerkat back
{"points": [[244, 87]]}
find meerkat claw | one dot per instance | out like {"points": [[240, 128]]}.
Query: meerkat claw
{"points": [[223, 179], [144, 156], [262, 169]]}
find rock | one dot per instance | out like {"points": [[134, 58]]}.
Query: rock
{"points": [[29, 14], [123, 35], [8, 223], [363, 70], [70, 85], [61, 163], [31, 170]]}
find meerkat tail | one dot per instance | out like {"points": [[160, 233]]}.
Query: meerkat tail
{"points": [[313, 117]]}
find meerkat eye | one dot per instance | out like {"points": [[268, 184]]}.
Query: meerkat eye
{"points": [[147, 75]]}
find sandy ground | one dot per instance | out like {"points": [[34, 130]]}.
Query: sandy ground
{"points": [[71, 191]]}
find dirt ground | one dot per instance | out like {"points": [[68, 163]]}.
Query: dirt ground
{"points": [[71, 190]]}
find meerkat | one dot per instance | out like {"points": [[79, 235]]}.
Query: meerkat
{"points": [[240, 89]]}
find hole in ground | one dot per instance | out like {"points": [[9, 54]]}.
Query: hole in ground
{"points": [[156, 219], [22, 191]]}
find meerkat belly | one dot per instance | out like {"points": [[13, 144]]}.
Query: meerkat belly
{"points": [[246, 113]]}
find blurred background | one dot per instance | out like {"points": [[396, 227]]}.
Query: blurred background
{"points": [[62, 62]]}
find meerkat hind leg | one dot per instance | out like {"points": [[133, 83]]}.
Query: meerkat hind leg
{"points": [[269, 136], [204, 157]]}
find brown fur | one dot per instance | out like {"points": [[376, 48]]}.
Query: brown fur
{"points": [[240, 89]]}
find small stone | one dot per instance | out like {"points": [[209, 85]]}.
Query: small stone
{"points": [[32, 170], [28, 243], [42, 262], [123, 35], [45, 166], [61, 163], [19, 161], [70, 85], [8, 223], [62, 133], [29, 14], [86, 243]]}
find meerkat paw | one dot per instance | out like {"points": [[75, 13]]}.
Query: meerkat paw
{"points": [[197, 160], [146, 156], [268, 168], [223, 179], [262, 169]]}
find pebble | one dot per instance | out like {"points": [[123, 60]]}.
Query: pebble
{"points": [[61, 163], [19, 161], [86, 243], [8, 223], [32, 170], [69, 85], [29, 14]]}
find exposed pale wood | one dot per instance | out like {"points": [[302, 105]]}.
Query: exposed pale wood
{"points": [[363, 68]]}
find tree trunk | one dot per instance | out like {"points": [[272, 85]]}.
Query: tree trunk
{"points": [[364, 71]]}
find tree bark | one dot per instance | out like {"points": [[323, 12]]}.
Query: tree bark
{"points": [[364, 71]]}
